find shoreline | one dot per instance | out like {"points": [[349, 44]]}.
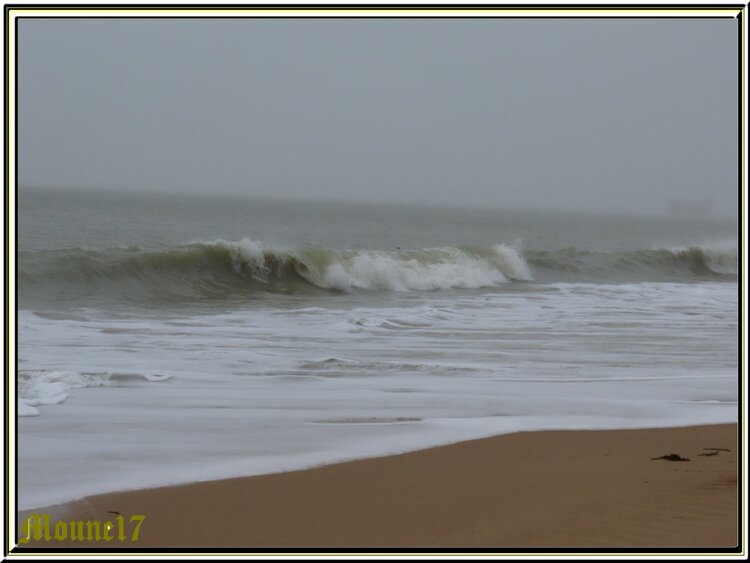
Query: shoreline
{"points": [[566, 488]]}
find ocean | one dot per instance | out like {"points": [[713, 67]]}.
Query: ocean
{"points": [[173, 338]]}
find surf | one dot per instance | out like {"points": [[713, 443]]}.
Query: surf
{"points": [[223, 269]]}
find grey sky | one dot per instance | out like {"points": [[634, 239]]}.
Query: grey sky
{"points": [[613, 115]]}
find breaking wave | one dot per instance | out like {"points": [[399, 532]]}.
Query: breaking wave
{"points": [[710, 262], [238, 268]]}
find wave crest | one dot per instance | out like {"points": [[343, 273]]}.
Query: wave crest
{"points": [[239, 268], [713, 261]]}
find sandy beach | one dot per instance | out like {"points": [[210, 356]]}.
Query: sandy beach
{"points": [[524, 490]]}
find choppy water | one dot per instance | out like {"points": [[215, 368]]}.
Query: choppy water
{"points": [[165, 339]]}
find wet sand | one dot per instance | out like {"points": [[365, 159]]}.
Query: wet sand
{"points": [[525, 490]]}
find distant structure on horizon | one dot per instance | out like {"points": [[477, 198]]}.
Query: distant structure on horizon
{"points": [[690, 208]]}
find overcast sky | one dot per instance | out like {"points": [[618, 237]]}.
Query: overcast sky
{"points": [[597, 115]]}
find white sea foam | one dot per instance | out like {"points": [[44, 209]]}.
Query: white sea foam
{"points": [[251, 384], [246, 254], [408, 270], [447, 268], [43, 387]]}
